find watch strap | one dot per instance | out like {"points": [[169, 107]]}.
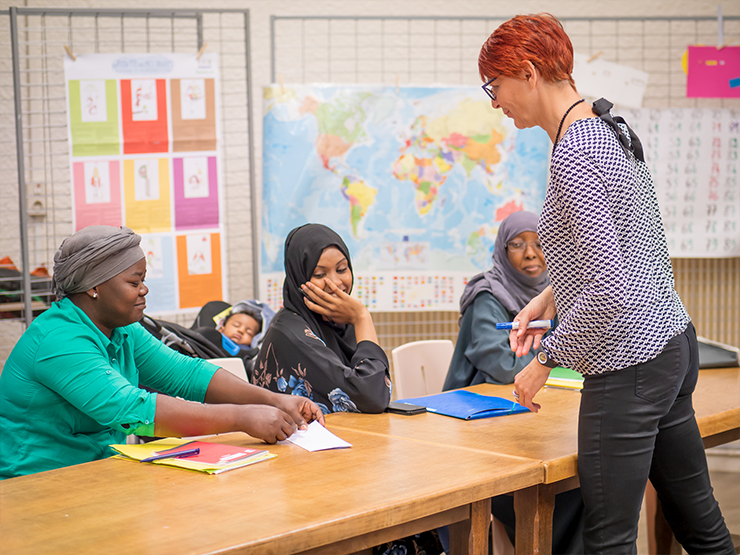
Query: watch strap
{"points": [[544, 359]]}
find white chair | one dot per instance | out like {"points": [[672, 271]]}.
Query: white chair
{"points": [[234, 365], [420, 367]]}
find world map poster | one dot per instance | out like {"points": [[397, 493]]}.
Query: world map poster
{"points": [[416, 180]]}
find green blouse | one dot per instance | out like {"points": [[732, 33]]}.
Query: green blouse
{"points": [[67, 392]]}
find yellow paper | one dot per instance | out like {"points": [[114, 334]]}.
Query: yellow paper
{"points": [[142, 451]]}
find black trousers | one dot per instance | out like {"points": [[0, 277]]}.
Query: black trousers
{"points": [[639, 423]]}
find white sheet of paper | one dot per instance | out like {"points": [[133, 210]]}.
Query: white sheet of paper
{"points": [[619, 84], [316, 438]]}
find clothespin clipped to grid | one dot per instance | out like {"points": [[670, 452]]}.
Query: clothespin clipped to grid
{"points": [[69, 53], [200, 52], [720, 29], [592, 58], [396, 84], [282, 86]]}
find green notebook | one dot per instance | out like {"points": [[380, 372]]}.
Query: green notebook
{"points": [[565, 378]]}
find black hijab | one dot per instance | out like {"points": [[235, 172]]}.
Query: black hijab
{"points": [[303, 249]]}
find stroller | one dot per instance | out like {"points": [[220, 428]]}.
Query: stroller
{"points": [[203, 340]]}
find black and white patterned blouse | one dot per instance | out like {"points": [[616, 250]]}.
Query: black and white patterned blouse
{"points": [[606, 254]]}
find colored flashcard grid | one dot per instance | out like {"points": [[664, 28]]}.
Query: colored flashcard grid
{"points": [[141, 135]]}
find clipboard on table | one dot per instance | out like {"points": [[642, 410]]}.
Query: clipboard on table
{"points": [[467, 405]]}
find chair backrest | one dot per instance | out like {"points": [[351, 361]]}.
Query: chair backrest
{"points": [[420, 367], [234, 365]]}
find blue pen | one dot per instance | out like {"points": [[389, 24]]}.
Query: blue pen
{"points": [[173, 455], [534, 324]]}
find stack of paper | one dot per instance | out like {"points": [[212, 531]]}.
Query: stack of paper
{"points": [[565, 378], [213, 458]]}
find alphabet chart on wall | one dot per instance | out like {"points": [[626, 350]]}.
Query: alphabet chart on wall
{"points": [[144, 154], [692, 154]]}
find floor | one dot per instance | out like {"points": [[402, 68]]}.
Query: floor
{"points": [[727, 492]]}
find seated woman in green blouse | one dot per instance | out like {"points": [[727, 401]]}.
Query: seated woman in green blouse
{"points": [[70, 387]]}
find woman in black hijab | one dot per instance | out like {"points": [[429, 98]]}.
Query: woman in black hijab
{"points": [[322, 344]]}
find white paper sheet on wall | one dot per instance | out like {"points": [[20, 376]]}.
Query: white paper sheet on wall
{"points": [[692, 154], [617, 83]]}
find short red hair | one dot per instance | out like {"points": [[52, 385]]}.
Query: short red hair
{"points": [[537, 38]]}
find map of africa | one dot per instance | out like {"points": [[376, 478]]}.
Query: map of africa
{"points": [[413, 178]]}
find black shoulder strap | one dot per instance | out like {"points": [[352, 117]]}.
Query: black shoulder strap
{"points": [[631, 145]]}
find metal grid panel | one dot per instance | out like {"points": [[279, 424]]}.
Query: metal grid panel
{"points": [[41, 37], [436, 50]]}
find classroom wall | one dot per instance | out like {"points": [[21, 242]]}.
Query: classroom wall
{"points": [[699, 281]]}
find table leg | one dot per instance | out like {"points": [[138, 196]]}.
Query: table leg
{"points": [[533, 508], [660, 537], [471, 535]]}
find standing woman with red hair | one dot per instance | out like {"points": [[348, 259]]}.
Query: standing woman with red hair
{"points": [[621, 322]]}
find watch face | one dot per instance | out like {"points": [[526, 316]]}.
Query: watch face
{"points": [[542, 358]]}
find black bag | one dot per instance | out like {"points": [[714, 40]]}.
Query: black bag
{"points": [[183, 340]]}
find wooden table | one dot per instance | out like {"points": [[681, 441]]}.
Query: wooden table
{"points": [[550, 436], [717, 405], [339, 501]]}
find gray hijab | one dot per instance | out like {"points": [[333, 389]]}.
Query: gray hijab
{"points": [[92, 256], [511, 288]]}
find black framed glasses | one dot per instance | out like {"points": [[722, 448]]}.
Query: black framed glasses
{"points": [[489, 89], [520, 246]]}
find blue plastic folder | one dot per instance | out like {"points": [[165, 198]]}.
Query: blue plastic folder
{"points": [[467, 405]]}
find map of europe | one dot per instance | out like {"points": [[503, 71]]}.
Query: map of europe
{"points": [[412, 178]]}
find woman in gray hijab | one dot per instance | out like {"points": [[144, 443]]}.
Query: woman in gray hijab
{"points": [[482, 353], [71, 386]]}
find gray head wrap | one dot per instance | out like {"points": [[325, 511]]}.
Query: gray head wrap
{"points": [[92, 256], [511, 288]]}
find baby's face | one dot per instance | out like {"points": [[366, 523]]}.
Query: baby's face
{"points": [[241, 329]]}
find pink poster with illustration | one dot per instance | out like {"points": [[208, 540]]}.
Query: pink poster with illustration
{"points": [[97, 186], [196, 192], [713, 73]]}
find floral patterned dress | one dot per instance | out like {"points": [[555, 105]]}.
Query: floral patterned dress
{"points": [[294, 360]]}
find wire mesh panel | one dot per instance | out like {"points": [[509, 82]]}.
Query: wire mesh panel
{"points": [[42, 36], [444, 50], [434, 50]]}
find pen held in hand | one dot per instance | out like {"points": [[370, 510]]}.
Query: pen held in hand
{"points": [[534, 324], [173, 455]]}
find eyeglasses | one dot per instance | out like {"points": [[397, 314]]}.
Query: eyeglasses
{"points": [[489, 89], [519, 246]]}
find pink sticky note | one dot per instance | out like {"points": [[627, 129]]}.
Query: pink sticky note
{"points": [[711, 72]]}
